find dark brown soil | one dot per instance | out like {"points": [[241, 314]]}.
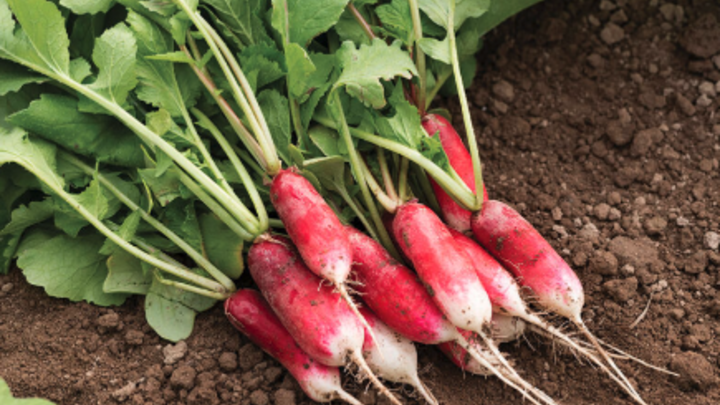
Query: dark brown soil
{"points": [[593, 124]]}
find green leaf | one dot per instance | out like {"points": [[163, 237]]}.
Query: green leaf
{"points": [[326, 139], [114, 55], [431, 148], [300, 21], [56, 118], [35, 155], [180, 217], [300, 68], [26, 216], [88, 6], [126, 275], [265, 62], [95, 198], [69, 268], [363, 68], [6, 397], [43, 41], [222, 246], [405, 126], [126, 231], [158, 84], [14, 76], [468, 66], [242, 19], [165, 187], [8, 246], [397, 20], [438, 50], [498, 12], [171, 312], [348, 28], [330, 171], [84, 30], [438, 10], [276, 110]]}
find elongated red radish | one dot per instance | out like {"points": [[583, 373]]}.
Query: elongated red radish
{"points": [[323, 326], [315, 230], [395, 293], [398, 362], [248, 311], [520, 247], [455, 216], [409, 309]]}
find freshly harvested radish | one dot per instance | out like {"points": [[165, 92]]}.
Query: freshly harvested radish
{"points": [[461, 358], [507, 328], [554, 285], [248, 311], [315, 230], [410, 309], [324, 326], [392, 356], [455, 216]]}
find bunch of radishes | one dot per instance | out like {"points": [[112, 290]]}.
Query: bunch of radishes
{"points": [[458, 293]]}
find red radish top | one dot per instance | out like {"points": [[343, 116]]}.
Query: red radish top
{"points": [[395, 293], [454, 215], [319, 320], [250, 313], [445, 269], [499, 284], [312, 225], [520, 247]]}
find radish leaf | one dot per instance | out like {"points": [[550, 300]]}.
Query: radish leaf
{"points": [[126, 275], [438, 10], [397, 20], [171, 312], [14, 76], [300, 21], [88, 7]]}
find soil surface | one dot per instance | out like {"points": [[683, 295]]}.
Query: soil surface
{"points": [[599, 122]]}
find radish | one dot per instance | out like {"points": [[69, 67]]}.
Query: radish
{"points": [[399, 361], [323, 326], [455, 216], [315, 230], [248, 311], [409, 308], [554, 285]]}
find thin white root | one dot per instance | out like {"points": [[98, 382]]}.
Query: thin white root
{"points": [[581, 325], [358, 359], [353, 307], [507, 379], [626, 356], [344, 396], [545, 328], [425, 392]]}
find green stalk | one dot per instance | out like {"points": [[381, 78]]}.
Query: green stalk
{"points": [[216, 273], [387, 177], [439, 82], [356, 167], [360, 214], [361, 20], [216, 208], [239, 168], [297, 121], [206, 155], [276, 223], [245, 157], [191, 288], [419, 55], [467, 119], [207, 32], [423, 186], [460, 192], [388, 203], [402, 180], [264, 136]]}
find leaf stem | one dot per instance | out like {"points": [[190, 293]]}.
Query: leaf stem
{"points": [[467, 119], [356, 166], [439, 82], [239, 168], [387, 177], [387, 202], [216, 273], [361, 20], [358, 211], [402, 180], [191, 288], [460, 192], [419, 55]]}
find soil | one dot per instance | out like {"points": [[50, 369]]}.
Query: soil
{"points": [[599, 122]]}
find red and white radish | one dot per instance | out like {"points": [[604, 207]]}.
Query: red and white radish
{"points": [[324, 326], [522, 250], [455, 216], [315, 230], [248, 311], [392, 356], [409, 308]]}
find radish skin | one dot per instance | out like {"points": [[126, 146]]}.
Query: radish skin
{"points": [[454, 215], [392, 356], [520, 248], [248, 311], [324, 326]]}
